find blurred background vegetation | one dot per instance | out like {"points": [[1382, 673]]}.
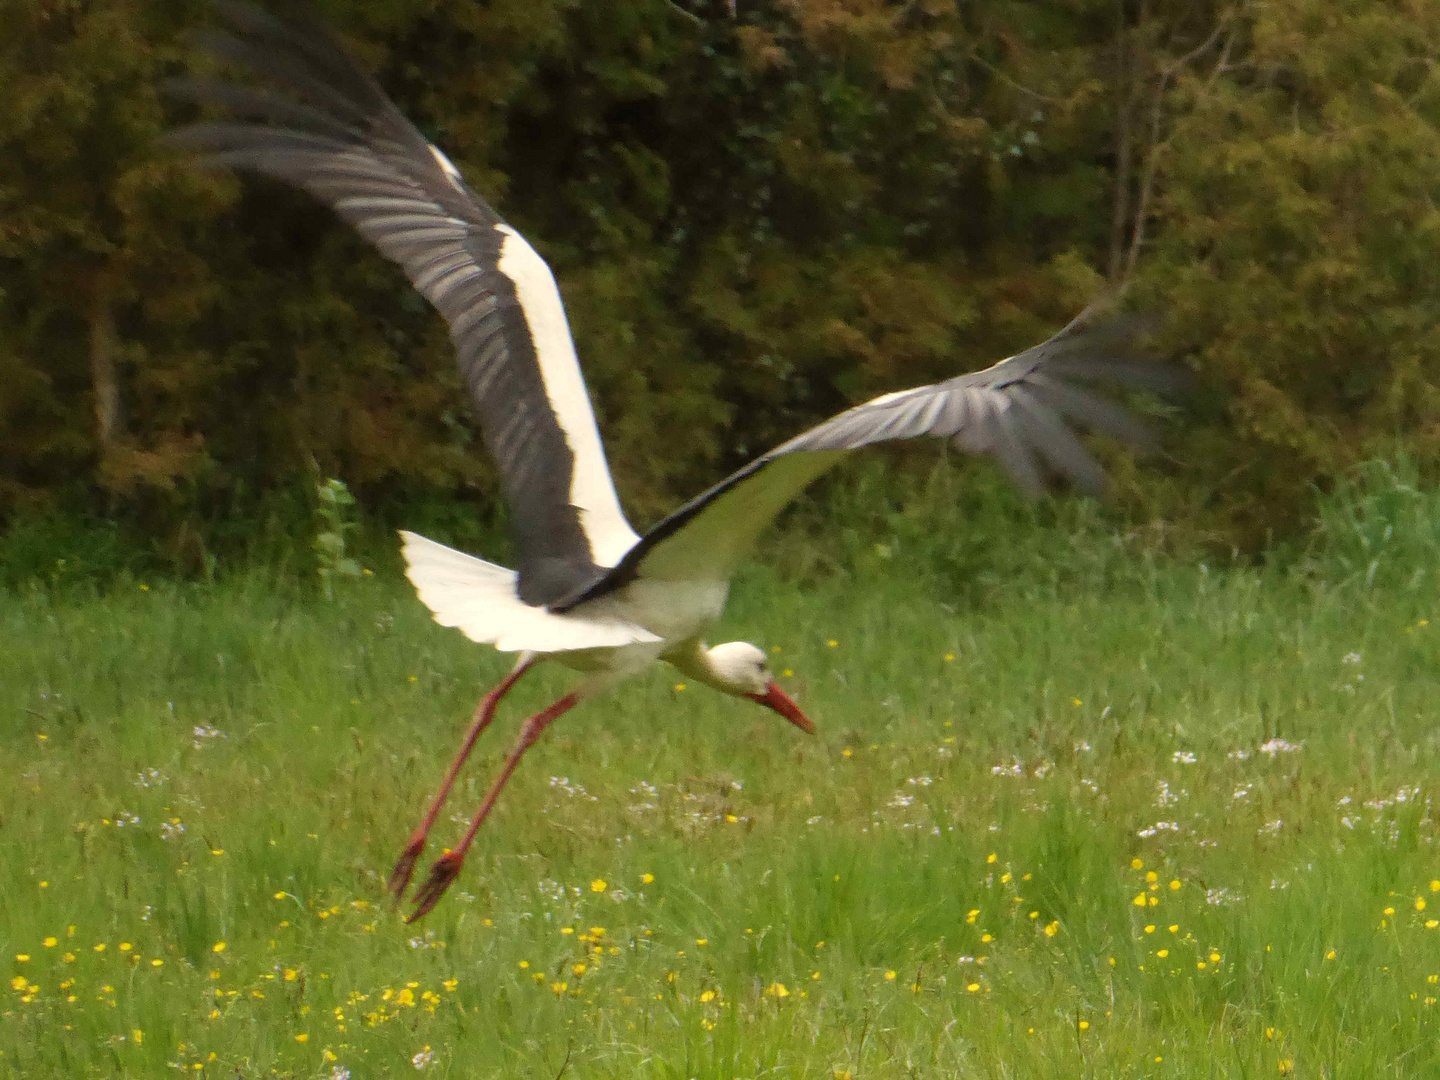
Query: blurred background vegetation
{"points": [[758, 213]]}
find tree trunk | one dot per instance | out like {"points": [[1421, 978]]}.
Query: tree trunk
{"points": [[1124, 148], [104, 382]]}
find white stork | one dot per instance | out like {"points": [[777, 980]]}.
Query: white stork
{"points": [[589, 592]]}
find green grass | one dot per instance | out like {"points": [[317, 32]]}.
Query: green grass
{"points": [[952, 879]]}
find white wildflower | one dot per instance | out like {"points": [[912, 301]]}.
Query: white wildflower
{"points": [[202, 733], [1159, 827]]}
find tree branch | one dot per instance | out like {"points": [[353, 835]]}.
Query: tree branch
{"points": [[1152, 157]]}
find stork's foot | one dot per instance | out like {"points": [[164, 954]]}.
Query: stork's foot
{"points": [[405, 866], [443, 871]]}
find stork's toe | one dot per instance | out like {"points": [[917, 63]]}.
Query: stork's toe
{"points": [[443, 871]]}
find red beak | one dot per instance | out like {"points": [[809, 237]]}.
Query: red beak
{"points": [[777, 699]]}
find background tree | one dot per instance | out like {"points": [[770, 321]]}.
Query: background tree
{"points": [[758, 214]]}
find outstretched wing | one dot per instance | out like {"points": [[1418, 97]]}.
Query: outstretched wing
{"points": [[1022, 410], [327, 127]]}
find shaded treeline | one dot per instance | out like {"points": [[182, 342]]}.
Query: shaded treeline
{"points": [[758, 213]]}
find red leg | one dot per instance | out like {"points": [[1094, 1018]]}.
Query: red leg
{"points": [[446, 868], [484, 713]]}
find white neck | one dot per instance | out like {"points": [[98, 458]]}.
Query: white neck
{"points": [[693, 659], [721, 667]]}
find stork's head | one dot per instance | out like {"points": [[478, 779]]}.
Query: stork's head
{"points": [[739, 668]]}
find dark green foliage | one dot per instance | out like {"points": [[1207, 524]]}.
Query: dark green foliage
{"points": [[1296, 246], [758, 215]]}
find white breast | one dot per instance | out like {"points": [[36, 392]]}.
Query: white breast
{"points": [[673, 610]]}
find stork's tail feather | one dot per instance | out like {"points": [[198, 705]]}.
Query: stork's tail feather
{"points": [[479, 599]]}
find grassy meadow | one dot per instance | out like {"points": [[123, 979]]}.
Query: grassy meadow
{"points": [[1081, 811]]}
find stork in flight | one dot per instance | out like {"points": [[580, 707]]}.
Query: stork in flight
{"points": [[589, 592]]}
